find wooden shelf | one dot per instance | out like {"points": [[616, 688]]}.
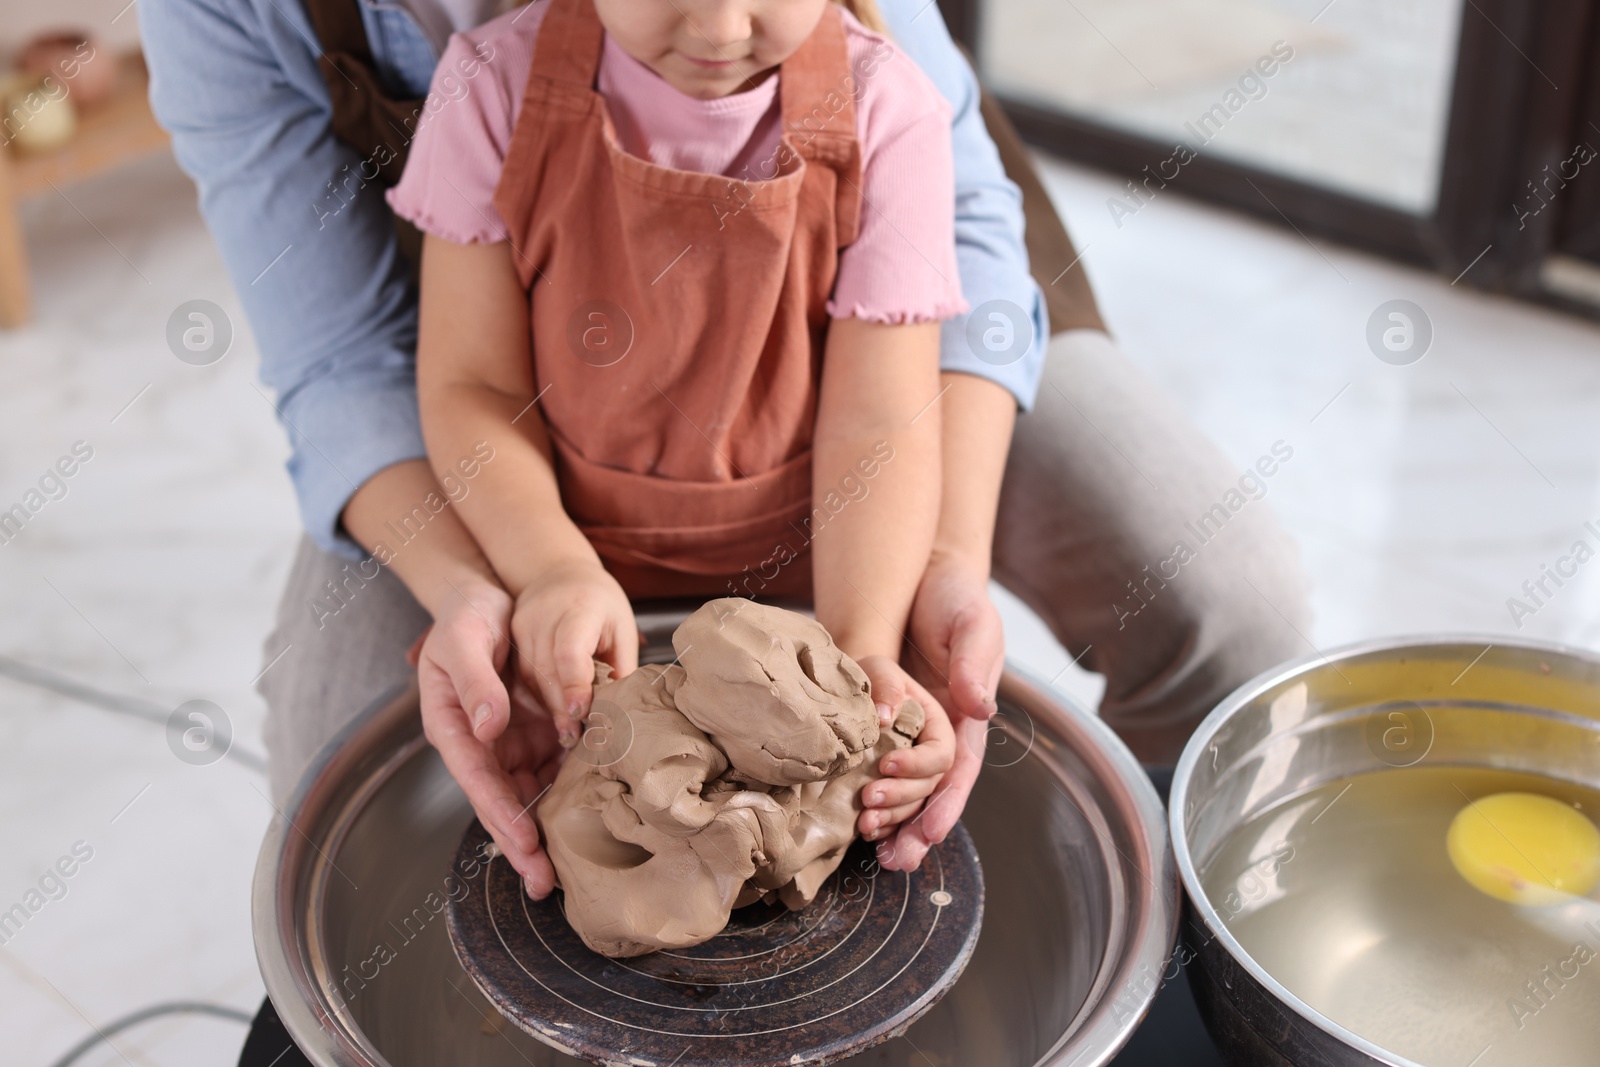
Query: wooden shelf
{"points": [[111, 134]]}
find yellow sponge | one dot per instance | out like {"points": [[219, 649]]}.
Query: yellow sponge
{"points": [[1525, 848]]}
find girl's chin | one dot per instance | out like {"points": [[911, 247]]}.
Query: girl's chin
{"points": [[703, 85], [707, 81]]}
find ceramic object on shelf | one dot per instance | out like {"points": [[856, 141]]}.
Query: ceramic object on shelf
{"points": [[83, 64], [38, 115]]}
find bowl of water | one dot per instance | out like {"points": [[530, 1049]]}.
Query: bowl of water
{"points": [[1327, 920]]}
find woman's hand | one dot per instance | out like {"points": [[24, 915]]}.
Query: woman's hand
{"points": [[499, 744], [910, 775], [959, 646], [959, 652], [570, 614]]}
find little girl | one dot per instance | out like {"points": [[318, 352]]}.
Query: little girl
{"points": [[684, 266]]}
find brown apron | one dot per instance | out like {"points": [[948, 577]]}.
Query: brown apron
{"points": [[1051, 257], [678, 318]]}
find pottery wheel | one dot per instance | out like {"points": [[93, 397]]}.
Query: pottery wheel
{"points": [[872, 953]]}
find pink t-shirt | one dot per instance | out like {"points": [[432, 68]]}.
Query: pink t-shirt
{"points": [[900, 269]]}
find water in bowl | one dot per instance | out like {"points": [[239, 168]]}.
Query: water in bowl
{"points": [[1347, 896]]}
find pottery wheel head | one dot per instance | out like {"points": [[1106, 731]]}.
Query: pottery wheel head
{"points": [[873, 952]]}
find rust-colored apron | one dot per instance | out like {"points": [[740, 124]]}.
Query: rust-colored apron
{"points": [[678, 318]]}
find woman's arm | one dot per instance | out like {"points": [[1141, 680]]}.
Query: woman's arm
{"points": [[978, 416], [441, 565], [321, 277], [879, 387], [955, 629], [499, 744], [875, 476], [990, 249]]}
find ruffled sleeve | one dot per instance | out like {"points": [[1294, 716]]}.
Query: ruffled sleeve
{"points": [[460, 145], [902, 266]]}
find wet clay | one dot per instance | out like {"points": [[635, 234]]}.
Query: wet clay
{"points": [[730, 776]]}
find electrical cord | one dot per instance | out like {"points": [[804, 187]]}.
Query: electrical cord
{"points": [[149, 711], [104, 1034]]}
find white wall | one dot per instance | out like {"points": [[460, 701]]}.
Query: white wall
{"points": [[105, 19]]}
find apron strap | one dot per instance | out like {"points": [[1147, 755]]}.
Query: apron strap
{"points": [[818, 88], [560, 89], [1051, 257], [570, 41], [377, 126], [365, 117]]}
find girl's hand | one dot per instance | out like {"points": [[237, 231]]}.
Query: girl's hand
{"points": [[498, 744], [910, 775], [571, 614]]}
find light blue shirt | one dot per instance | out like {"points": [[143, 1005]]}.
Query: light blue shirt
{"points": [[328, 293]]}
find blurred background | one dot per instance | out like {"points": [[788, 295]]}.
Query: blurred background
{"points": [[1252, 186]]}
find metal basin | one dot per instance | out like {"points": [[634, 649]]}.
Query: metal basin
{"points": [[1080, 921], [1416, 705]]}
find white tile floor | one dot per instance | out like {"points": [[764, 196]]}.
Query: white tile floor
{"points": [[1422, 495], [152, 580]]}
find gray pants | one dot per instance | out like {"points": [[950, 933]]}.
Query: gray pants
{"points": [[1142, 547]]}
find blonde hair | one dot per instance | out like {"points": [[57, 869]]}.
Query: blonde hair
{"points": [[866, 13]]}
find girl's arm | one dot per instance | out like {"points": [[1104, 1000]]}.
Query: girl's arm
{"points": [[876, 475], [475, 383], [474, 376], [877, 399]]}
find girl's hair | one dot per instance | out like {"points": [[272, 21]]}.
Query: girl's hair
{"points": [[866, 13]]}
